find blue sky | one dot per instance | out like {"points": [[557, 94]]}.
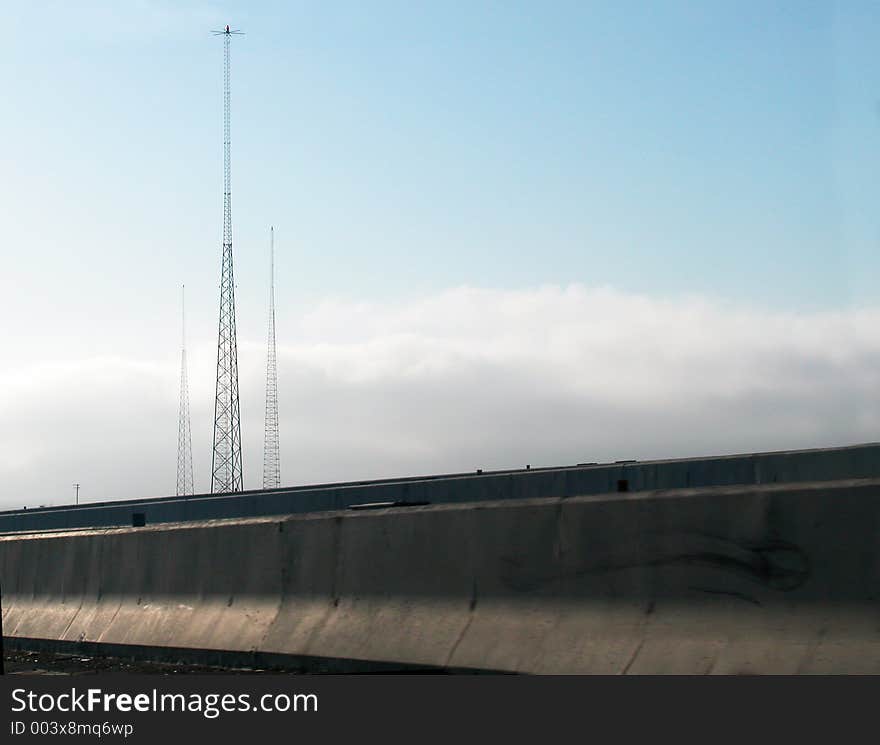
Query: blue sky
{"points": [[721, 148], [403, 149]]}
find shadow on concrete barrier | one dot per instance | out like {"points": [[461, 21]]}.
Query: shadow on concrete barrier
{"points": [[761, 579], [2, 651]]}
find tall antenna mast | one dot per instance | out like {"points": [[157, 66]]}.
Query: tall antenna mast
{"points": [[271, 452], [184, 431], [226, 457]]}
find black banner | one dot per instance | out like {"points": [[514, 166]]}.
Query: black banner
{"points": [[262, 708]]}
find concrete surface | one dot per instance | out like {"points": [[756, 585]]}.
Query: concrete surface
{"points": [[763, 579], [828, 464]]}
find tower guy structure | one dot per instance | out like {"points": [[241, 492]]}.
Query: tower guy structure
{"points": [[271, 451], [226, 469], [184, 430]]}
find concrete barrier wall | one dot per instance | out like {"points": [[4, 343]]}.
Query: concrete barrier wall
{"points": [[771, 579], [858, 461]]}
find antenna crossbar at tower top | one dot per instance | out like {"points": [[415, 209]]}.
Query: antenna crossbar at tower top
{"points": [[227, 32], [226, 467], [271, 452]]}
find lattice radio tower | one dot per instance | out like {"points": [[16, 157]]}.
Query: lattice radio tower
{"points": [[226, 459], [271, 452], [184, 431]]}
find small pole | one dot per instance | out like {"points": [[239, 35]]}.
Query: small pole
{"points": [[77, 492]]}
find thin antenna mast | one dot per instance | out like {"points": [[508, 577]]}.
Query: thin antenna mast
{"points": [[226, 467], [271, 451], [184, 430]]}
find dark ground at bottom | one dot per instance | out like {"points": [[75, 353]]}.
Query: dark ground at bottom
{"points": [[45, 663]]}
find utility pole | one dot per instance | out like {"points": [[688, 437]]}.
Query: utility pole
{"points": [[226, 466], [76, 486], [271, 451]]}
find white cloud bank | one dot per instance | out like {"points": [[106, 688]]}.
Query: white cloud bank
{"points": [[462, 379]]}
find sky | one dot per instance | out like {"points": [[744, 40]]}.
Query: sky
{"points": [[506, 233]]}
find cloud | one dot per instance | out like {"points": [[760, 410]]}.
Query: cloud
{"points": [[461, 379]]}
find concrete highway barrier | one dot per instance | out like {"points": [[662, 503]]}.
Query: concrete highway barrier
{"points": [[741, 579], [824, 464]]}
